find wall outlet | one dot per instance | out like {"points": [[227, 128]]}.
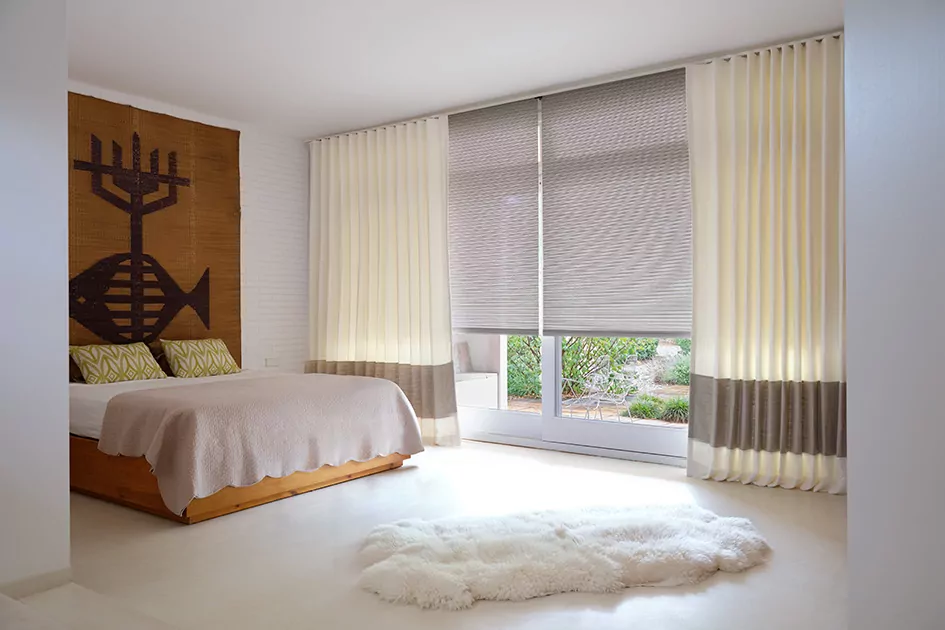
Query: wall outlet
{"points": [[272, 362]]}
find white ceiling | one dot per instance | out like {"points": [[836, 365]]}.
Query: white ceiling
{"points": [[314, 67]]}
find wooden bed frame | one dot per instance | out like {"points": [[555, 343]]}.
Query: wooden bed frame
{"points": [[128, 481]]}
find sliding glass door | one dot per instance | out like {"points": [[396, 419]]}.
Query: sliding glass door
{"points": [[620, 393], [626, 396], [570, 268]]}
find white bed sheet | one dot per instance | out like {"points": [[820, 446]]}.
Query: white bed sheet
{"points": [[87, 403]]}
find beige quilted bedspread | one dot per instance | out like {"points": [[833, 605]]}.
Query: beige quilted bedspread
{"points": [[202, 438]]}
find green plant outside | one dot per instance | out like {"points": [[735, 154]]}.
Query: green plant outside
{"points": [[685, 344], [675, 410], [579, 358], [678, 372], [645, 409], [524, 366]]}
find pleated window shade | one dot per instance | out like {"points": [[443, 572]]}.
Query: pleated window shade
{"points": [[493, 218], [616, 209]]}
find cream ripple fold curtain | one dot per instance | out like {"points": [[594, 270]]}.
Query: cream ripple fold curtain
{"points": [[768, 393], [380, 302]]}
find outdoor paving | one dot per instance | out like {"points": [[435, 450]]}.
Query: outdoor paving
{"points": [[610, 412]]}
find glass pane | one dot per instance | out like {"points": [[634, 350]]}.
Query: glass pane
{"points": [[524, 373], [625, 379], [498, 371]]}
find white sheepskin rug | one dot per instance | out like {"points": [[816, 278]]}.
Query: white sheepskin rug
{"points": [[451, 563]]}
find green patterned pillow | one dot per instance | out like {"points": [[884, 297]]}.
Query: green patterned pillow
{"points": [[116, 363], [200, 357]]}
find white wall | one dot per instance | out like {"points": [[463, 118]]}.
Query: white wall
{"points": [[488, 353], [484, 350], [34, 455], [895, 116], [274, 248]]}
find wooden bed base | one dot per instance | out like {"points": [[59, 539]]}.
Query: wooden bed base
{"points": [[128, 481]]}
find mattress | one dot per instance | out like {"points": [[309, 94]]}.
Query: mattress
{"points": [[87, 403]]}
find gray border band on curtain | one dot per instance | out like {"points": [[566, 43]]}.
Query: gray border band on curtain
{"points": [[775, 416], [431, 389]]}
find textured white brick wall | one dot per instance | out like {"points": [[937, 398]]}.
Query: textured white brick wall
{"points": [[274, 193], [274, 243]]}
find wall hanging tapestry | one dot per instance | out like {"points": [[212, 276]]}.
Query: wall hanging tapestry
{"points": [[154, 227]]}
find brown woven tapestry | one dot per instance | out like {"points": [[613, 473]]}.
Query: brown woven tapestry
{"points": [[154, 227]]}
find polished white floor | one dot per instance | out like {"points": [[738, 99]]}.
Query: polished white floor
{"points": [[293, 564], [77, 608], [16, 615]]}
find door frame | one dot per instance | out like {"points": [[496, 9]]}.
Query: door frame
{"points": [[550, 429]]}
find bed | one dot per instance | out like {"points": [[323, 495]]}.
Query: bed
{"points": [[194, 449]]}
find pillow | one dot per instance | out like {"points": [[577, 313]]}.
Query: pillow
{"points": [[200, 357], [115, 363]]}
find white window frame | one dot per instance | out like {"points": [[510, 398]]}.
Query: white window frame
{"points": [[551, 430]]}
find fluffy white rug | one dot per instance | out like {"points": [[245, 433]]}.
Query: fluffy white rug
{"points": [[450, 563]]}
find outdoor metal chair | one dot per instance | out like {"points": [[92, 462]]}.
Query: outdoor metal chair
{"points": [[588, 399]]}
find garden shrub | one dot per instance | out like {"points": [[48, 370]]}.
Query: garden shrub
{"points": [[685, 344], [644, 348], [646, 407], [675, 410], [678, 372], [524, 366], [579, 357]]}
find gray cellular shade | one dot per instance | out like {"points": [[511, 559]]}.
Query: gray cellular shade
{"points": [[493, 217], [616, 209]]}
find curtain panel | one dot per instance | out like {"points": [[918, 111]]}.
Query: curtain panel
{"points": [[379, 281], [768, 393]]}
